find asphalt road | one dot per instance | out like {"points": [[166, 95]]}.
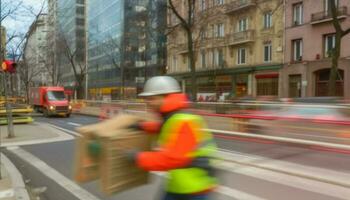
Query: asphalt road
{"points": [[239, 183]]}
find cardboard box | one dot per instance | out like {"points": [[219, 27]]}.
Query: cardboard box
{"points": [[115, 172]]}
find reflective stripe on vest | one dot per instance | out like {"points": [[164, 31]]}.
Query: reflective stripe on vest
{"points": [[193, 179]]}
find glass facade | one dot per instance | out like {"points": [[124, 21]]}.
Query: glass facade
{"points": [[126, 39], [71, 39]]}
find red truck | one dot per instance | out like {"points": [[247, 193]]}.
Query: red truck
{"points": [[50, 101]]}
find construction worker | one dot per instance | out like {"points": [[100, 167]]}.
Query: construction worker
{"points": [[185, 149]]}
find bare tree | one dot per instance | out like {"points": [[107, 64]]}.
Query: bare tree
{"points": [[79, 68], [340, 32], [112, 49], [187, 24], [17, 43], [194, 23]]}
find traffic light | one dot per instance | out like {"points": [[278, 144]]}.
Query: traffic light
{"points": [[9, 66]]}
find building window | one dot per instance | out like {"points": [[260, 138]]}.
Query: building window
{"points": [[329, 45], [241, 56], [203, 34], [242, 24], [216, 58], [298, 14], [211, 58], [268, 20], [203, 59], [219, 30], [221, 58], [219, 2], [203, 5], [268, 53], [297, 50], [174, 64], [327, 5], [267, 85]]}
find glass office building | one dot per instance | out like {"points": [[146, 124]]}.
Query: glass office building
{"points": [[126, 46], [71, 36]]}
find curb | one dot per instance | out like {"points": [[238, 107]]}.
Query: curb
{"points": [[18, 185]]}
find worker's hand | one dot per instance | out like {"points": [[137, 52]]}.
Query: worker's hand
{"points": [[131, 155], [135, 126], [94, 148]]}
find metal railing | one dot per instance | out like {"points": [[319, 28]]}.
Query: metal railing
{"points": [[342, 11], [239, 4], [241, 37]]}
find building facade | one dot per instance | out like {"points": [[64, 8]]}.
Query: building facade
{"points": [[310, 36], [238, 48], [126, 46], [35, 51], [70, 40], [52, 33]]}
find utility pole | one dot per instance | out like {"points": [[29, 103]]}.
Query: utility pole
{"points": [[1, 60], [10, 131]]}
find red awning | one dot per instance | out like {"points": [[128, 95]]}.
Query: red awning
{"points": [[261, 76], [68, 92]]}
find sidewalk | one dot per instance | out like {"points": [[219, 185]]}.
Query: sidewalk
{"points": [[12, 186], [35, 133]]}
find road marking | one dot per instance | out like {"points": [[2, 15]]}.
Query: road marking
{"points": [[66, 130], [237, 194], [82, 194], [74, 124], [282, 139], [227, 191], [314, 173], [51, 173], [313, 179], [7, 193]]}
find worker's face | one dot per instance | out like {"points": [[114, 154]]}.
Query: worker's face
{"points": [[154, 102]]}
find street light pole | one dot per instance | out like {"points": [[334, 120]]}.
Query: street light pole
{"points": [[0, 63], [8, 109]]}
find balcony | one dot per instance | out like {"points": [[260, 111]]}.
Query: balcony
{"points": [[211, 42], [241, 37], [236, 5], [326, 16], [182, 48]]}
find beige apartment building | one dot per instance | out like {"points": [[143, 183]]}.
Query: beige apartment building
{"points": [[238, 48]]}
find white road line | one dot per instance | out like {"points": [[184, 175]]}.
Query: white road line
{"points": [[290, 181], [227, 191], [85, 195], [66, 130], [285, 167], [74, 124], [51, 173], [7, 193], [236, 194], [282, 139]]}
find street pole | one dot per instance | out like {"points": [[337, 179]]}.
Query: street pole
{"points": [[10, 131], [1, 55]]}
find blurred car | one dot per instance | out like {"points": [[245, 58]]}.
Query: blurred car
{"points": [[300, 121]]}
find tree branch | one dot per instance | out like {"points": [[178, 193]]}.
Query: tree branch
{"points": [[184, 23], [346, 32], [334, 12]]}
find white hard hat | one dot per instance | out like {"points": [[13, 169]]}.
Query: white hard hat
{"points": [[159, 85]]}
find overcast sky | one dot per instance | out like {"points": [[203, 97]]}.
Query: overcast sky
{"points": [[22, 19]]}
